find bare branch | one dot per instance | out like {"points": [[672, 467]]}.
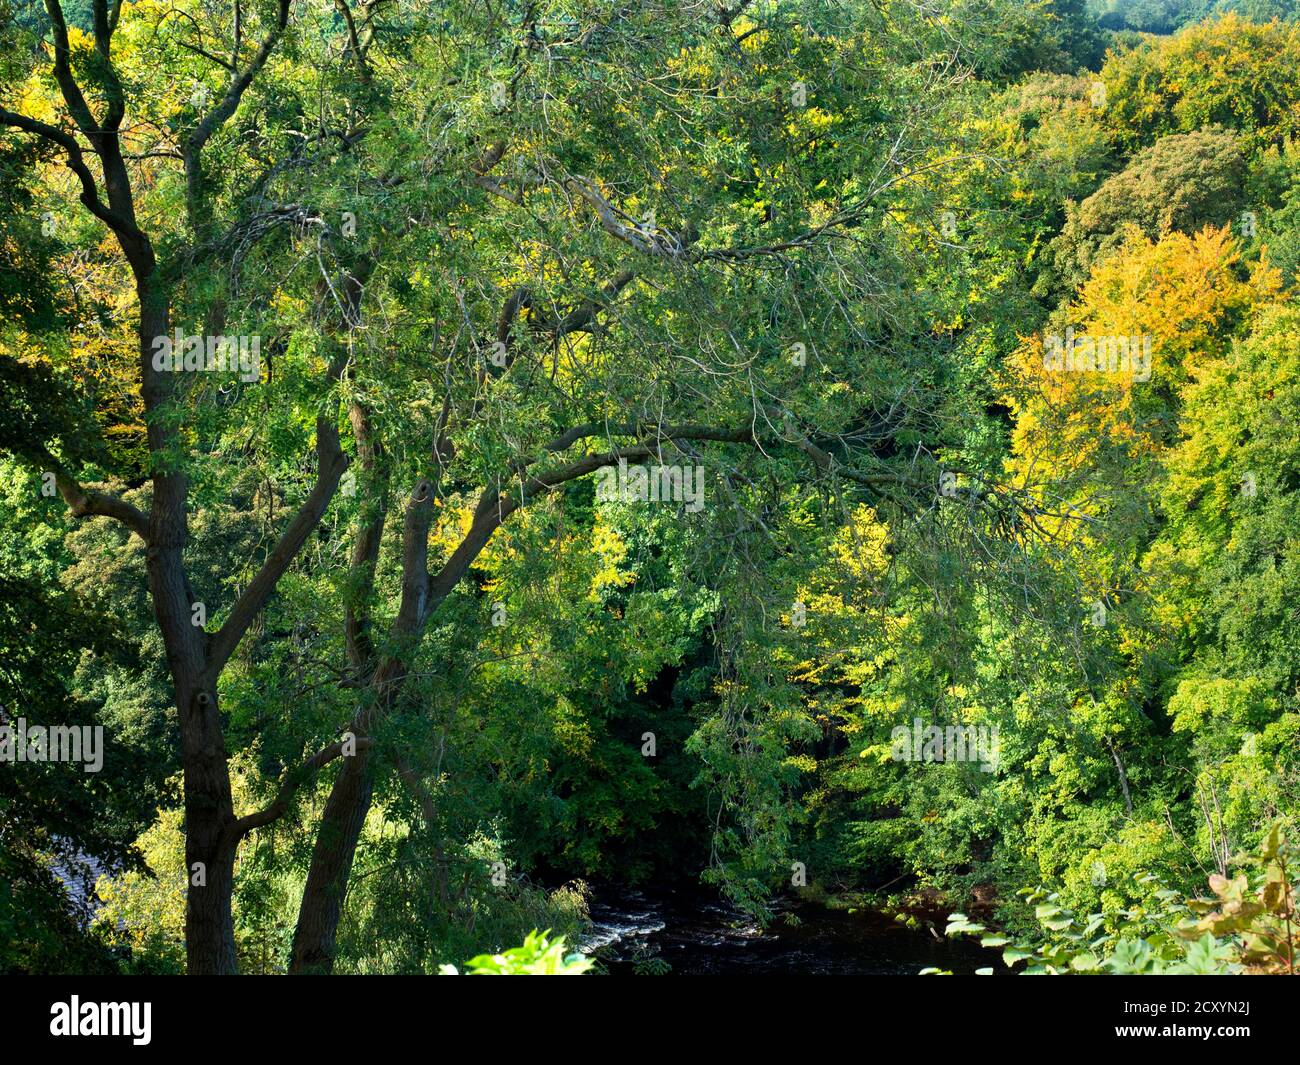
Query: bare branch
{"points": [[616, 223]]}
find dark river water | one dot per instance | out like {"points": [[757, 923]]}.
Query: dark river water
{"points": [[637, 932]]}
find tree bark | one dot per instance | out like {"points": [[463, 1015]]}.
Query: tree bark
{"points": [[209, 809], [331, 867]]}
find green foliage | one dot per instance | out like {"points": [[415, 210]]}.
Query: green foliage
{"points": [[1226, 72], [1165, 16], [1259, 906], [653, 214], [1249, 926], [1143, 941], [539, 956], [1181, 183]]}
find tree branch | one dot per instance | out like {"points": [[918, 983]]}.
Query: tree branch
{"points": [[330, 464], [75, 162], [289, 784], [370, 534], [354, 44], [105, 24], [192, 147], [85, 503], [229, 102], [68, 86], [331, 461]]}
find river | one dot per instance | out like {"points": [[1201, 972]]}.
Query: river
{"points": [[638, 932]]}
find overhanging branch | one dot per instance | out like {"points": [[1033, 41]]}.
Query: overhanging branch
{"points": [[290, 783]]}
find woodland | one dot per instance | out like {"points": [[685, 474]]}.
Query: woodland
{"points": [[460, 458]]}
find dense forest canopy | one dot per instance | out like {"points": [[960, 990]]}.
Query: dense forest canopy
{"points": [[1166, 16], [459, 454]]}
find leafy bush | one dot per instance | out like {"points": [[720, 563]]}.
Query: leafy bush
{"points": [[537, 957], [1145, 942], [1251, 926], [1258, 907]]}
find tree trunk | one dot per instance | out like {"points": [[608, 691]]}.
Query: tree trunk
{"points": [[209, 807], [209, 844], [349, 801], [331, 867], [209, 922]]}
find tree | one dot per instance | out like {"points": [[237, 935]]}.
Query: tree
{"points": [[1181, 183], [1226, 72]]}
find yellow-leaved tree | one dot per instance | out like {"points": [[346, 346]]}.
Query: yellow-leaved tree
{"points": [[1096, 398]]}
